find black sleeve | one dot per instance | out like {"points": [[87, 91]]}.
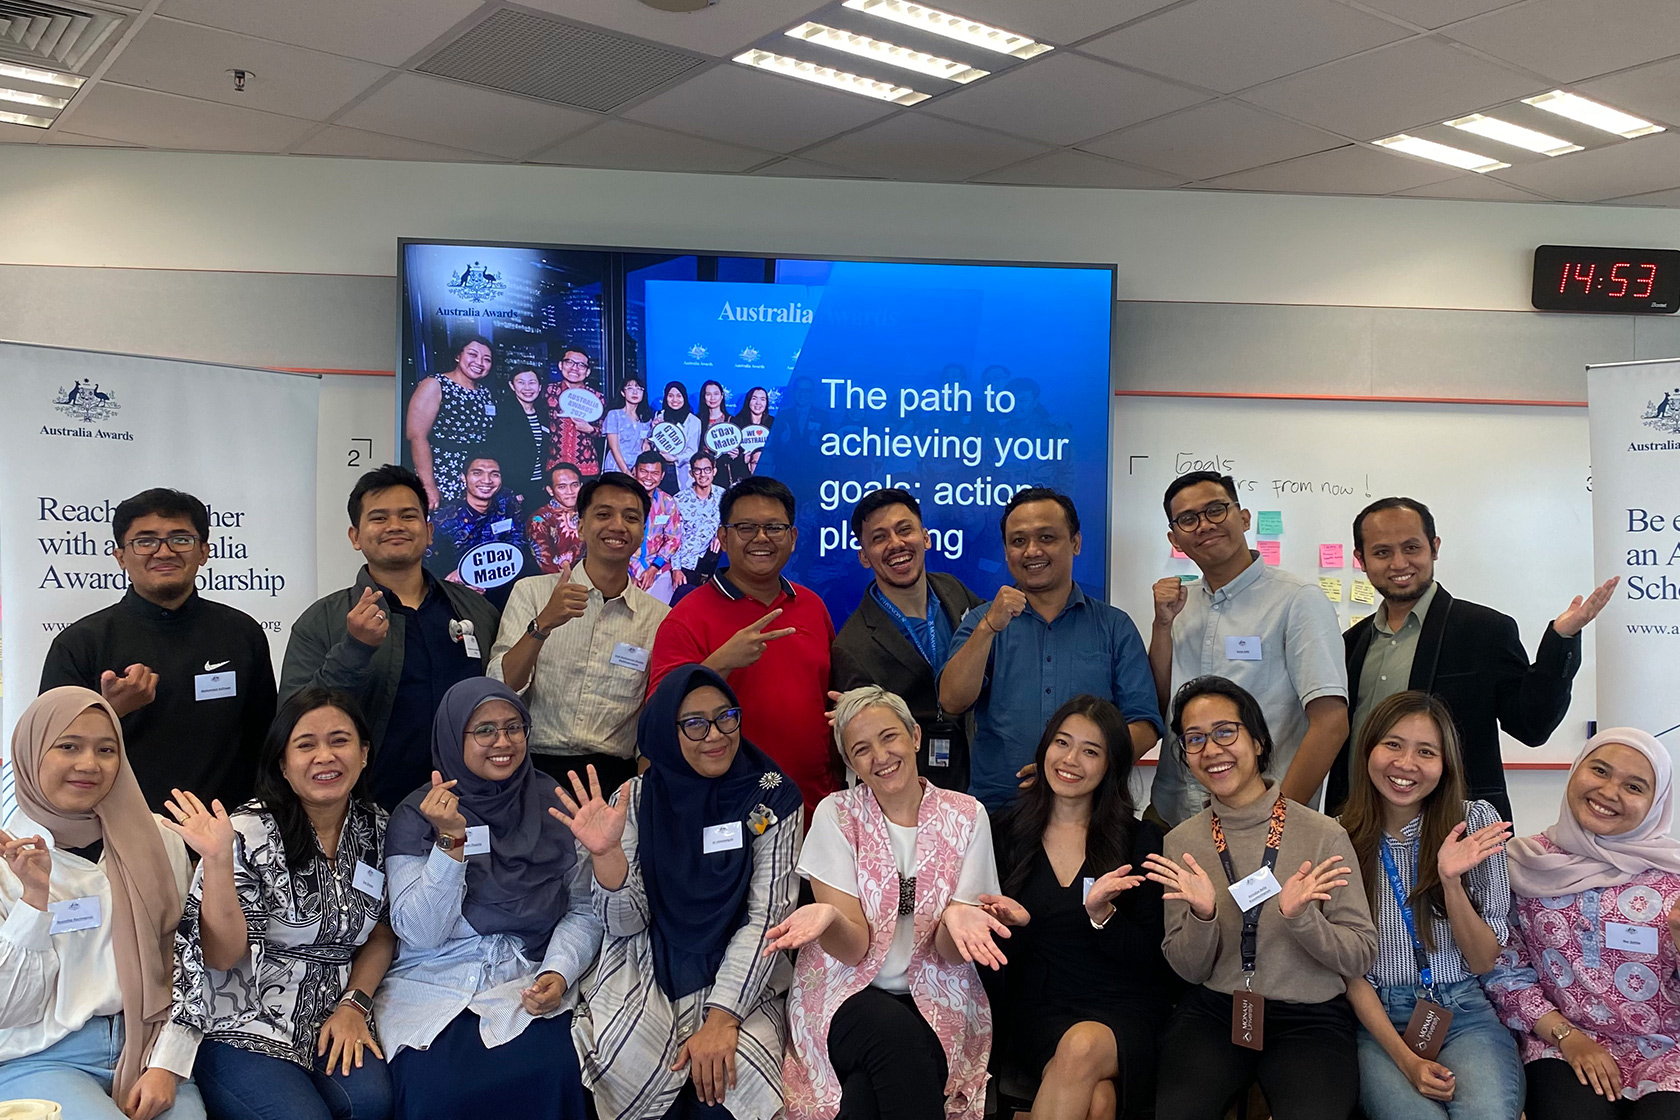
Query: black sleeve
{"points": [[1135, 932], [260, 696], [1532, 699], [844, 671], [70, 660]]}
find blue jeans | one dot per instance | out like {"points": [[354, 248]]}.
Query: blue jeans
{"points": [[76, 1073], [244, 1085], [1488, 1081]]}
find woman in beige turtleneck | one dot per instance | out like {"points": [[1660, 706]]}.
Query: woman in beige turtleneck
{"points": [[1298, 1036]]}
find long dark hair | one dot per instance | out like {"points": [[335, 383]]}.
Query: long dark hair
{"points": [[644, 410], [1108, 837], [297, 835], [675, 415], [705, 410], [744, 417]]}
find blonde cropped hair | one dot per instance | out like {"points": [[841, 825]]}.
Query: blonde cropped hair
{"points": [[869, 696]]}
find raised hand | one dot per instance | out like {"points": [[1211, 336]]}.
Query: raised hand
{"points": [[972, 929], [31, 861], [1582, 611], [1006, 606], [1099, 901], [1188, 884], [1459, 853], [567, 602], [1311, 884], [800, 928], [1005, 909], [746, 645], [206, 831], [442, 808], [1431, 1079], [544, 994], [367, 621], [595, 822], [130, 692], [1170, 596], [345, 1037]]}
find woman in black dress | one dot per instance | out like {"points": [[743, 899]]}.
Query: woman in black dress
{"points": [[1087, 990]]}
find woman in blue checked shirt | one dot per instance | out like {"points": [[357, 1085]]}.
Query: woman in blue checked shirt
{"points": [[1434, 871]]}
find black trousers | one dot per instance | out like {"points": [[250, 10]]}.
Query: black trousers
{"points": [[1555, 1093], [1309, 1069], [888, 1060], [609, 768], [687, 1106]]}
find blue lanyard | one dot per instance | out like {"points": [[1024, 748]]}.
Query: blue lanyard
{"points": [[931, 649], [1425, 974]]}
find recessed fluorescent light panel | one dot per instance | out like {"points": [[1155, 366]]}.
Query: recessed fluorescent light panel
{"points": [[25, 118], [1591, 113], [45, 77], [38, 100], [828, 76], [1440, 153], [1514, 134], [890, 53], [960, 28]]}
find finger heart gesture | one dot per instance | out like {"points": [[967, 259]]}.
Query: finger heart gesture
{"points": [[441, 807]]}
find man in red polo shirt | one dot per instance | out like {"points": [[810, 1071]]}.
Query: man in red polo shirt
{"points": [[728, 622]]}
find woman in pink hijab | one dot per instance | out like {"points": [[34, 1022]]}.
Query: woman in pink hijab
{"points": [[90, 892], [1588, 980]]}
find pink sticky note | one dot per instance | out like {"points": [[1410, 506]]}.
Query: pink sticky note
{"points": [[1330, 556], [1177, 555], [1270, 551]]}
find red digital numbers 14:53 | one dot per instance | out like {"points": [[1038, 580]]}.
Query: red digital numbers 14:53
{"points": [[1618, 283]]}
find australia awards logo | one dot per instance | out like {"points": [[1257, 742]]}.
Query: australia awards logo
{"points": [[476, 284], [749, 355], [697, 356], [87, 402], [1664, 415]]}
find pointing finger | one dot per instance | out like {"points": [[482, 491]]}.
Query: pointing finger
{"points": [[767, 619], [772, 635]]}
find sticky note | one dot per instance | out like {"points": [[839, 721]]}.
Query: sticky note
{"points": [[1363, 592], [1270, 523], [1330, 556], [1356, 619], [1270, 551], [1332, 586], [1188, 577], [1176, 554]]}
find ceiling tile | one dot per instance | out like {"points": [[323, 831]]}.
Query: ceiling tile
{"points": [[1650, 91], [1435, 13], [1649, 163], [792, 168], [1569, 40], [720, 30], [1405, 86], [56, 136], [637, 147], [185, 58], [1062, 98], [1076, 169], [1481, 188], [21, 134], [1229, 45], [1655, 198], [745, 106], [1061, 22], [388, 33], [1211, 140], [1355, 169], [913, 146], [165, 120], [438, 111], [334, 140]]}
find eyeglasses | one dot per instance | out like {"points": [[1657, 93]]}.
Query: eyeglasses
{"points": [[485, 734], [576, 363], [772, 530], [697, 728], [177, 542], [1223, 733], [1213, 513]]}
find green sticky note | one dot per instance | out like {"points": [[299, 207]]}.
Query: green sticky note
{"points": [[1187, 578], [1270, 524]]}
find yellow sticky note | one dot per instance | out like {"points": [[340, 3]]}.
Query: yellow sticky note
{"points": [[1356, 619], [1363, 592], [1332, 586]]}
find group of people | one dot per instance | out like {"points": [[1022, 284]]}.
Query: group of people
{"points": [[714, 860], [504, 463]]}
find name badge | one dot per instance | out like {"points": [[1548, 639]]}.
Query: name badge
{"points": [[469, 642], [215, 686], [1085, 894], [1630, 939], [939, 752], [74, 914], [478, 840], [628, 656], [1427, 1029], [369, 881], [489, 410], [1254, 889], [720, 837], [1243, 649], [1248, 1019], [505, 525]]}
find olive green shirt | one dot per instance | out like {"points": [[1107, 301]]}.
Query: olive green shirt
{"points": [[1388, 659]]}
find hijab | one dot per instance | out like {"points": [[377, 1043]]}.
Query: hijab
{"points": [[677, 416], [145, 897], [1586, 861], [697, 899], [522, 887]]}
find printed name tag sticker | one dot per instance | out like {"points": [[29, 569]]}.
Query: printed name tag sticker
{"points": [[74, 914], [1254, 889], [721, 837], [215, 686]]}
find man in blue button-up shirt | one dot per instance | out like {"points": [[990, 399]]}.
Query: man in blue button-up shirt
{"points": [[1037, 645]]}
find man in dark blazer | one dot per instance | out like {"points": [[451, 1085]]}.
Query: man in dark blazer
{"points": [[1468, 655], [900, 635]]}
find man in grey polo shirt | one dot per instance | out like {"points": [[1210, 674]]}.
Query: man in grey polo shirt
{"points": [[1270, 631]]}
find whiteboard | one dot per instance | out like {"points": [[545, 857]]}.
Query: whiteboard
{"points": [[1508, 484], [356, 432]]}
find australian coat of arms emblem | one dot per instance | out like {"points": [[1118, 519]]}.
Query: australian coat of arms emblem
{"points": [[476, 284], [1664, 415], [87, 402]]}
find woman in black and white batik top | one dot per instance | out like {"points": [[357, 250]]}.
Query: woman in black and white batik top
{"points": [[283, 944]]}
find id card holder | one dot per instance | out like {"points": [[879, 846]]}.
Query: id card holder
{"points": [[1427, 1030], [939, 751], [1248, 1019]]}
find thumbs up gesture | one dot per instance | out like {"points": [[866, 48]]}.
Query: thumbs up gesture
{"points": [[568, 602]]}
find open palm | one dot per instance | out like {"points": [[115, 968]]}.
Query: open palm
{"points": [[207, 831], [597, 825]]}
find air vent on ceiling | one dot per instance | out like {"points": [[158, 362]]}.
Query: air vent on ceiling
{"points": [[59, 36], [519, 52]]}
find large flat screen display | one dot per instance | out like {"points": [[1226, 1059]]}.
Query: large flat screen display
{"points": [[527, 370]]}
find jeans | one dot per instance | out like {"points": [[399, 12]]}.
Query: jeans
{"points": [[1488, 1081], [244, 1085], [76, 1071]]}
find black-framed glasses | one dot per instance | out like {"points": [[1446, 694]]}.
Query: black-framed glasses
{"points": [[697, 728], [486, 734], [576, 363], [177, 542], [1224, 734], [1213, 513], [772, 530]]}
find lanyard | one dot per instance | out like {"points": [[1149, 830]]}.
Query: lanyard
{"points": [[1251, 916], [1426, 975], [931, 650]]}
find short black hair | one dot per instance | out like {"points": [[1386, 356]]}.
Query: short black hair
{"points": [[1196, 478], [756, 486], [1381, 504], [456, 350], [619, 480], [1040, 494], [702, 454], [877, 500], [648, 457], [480, 453], [383, 478], [1248, 711], [573, 467], [164, 502]]}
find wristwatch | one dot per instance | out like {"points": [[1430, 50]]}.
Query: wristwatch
{"points": [[1112, 910], [448, 843], [1561, 1033], [360, 1000], [536, 631]]}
